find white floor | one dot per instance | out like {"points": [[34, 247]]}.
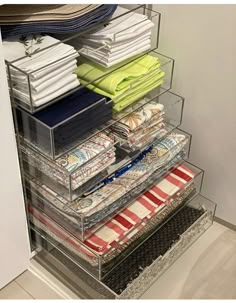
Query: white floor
{"points": [[205, 271]]}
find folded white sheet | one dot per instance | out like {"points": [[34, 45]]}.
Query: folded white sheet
{"points": [[50, 70], [122, 51], [113, 46], [36, 82], [58, 89], [46, 70], [41, 85], [118, 57], [17, 47], [122, 28]]}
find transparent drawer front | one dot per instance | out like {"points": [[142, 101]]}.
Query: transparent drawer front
{"points": [[26, 80], [140, 76], [155, 111], [115, 191], [79, 224], [34, 83], [31, 93], [140, 24], [143, 267], [62, 126], [118, 237], [143, 122], [164, 247], [77, 170]]}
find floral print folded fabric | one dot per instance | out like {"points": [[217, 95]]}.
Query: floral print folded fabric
{"points": [[141, 126], [139, 117], [82, 163], [161, 153]]}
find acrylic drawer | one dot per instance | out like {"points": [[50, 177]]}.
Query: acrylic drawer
{"points": [[132, 277]]}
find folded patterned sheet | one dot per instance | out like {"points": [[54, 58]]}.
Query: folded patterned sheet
{"points": [[104, 201], [123, 228], [84, 17], [161, 153], [56, 63], [126, 35], [141, 126], [125, 84], [77, 166]]}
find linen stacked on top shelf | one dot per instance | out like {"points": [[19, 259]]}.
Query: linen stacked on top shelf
{"points": [[51, 70], [122, 38], [124, 83], [31, 19]]}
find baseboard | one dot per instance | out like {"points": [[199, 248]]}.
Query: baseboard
{"points": [[51, 281], [225, 223]]}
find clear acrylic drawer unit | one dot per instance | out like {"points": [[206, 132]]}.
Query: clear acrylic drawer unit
{"points": [[66, 266], [71, 178], [108, 202], [172, 118], [133, 287], [54, 141], [96, 252], [102, 265], [60, 127], [14, 67]]}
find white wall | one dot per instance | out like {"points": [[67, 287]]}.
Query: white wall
{"points": [[14, 242], [202, 40]]}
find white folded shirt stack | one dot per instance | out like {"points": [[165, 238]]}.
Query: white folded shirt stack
{"points": [[50, 71], [122, 38]]}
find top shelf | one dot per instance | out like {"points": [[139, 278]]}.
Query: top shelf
{"points": [[24, 88]]}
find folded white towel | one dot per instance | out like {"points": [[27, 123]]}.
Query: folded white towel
{"points": [[118, 57], [56, 90], [45, 71], [46, 85], [35, 83], [17, 47], [50, 70], [114, 46], [122, 51], [122, 28]]}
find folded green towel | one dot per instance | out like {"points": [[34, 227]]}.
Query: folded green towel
{"points": [[123, 85], [134, 95]]}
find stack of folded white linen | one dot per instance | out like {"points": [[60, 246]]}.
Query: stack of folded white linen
{"points": [[126, 36], [50, 70]]}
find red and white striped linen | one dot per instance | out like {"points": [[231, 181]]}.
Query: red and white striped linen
{"points": [[123, 226]]}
